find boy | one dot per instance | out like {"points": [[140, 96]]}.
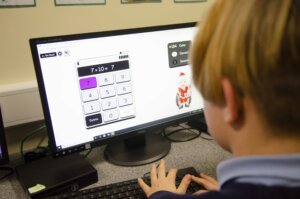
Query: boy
{"points": [[246, 64]]}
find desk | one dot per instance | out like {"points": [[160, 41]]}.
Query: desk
{"points": [[202, 154]]}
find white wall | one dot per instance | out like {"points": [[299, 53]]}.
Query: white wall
{"points": [[20, 24]]}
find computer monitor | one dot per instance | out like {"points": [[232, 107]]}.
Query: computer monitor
{"points": [[4, 159], [104, 87]]}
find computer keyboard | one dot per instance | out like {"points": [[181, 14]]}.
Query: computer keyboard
{"points": [[126, 189]]}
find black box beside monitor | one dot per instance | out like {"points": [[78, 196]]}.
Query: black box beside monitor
{"points": [[4, 159], [48, 176]]}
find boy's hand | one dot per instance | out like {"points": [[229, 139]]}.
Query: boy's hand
{"points": [[160, 181], [206, 181]]}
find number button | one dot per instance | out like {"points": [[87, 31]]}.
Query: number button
{"points": [[124, 88], [106, 79], [125, 100], [91, 107], [89, 95], [110, 115], [107, 91], [87, 83], [109, 103], [123, 76]]}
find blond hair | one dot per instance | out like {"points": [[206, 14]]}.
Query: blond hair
{"points": [[256, 44]]}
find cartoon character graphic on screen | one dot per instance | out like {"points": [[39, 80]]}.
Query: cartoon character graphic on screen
{"points": [[184, 95]]}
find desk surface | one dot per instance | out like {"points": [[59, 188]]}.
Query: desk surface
{"points": [[202, 154]]}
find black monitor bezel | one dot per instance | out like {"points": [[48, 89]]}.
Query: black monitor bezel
{"points": [[35, 56], [3, 144]]}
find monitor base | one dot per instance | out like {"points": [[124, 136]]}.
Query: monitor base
{"points": [[139, 150]]}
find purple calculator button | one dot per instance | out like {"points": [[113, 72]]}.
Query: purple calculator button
{"points": [[87, 83]]}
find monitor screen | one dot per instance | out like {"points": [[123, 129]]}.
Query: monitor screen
{"points": [[96, 87]]}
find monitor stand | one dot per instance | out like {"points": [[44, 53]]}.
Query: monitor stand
{"points": [[138, 150]]}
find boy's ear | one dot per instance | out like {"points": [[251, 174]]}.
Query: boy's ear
{"points": [[232, 102]]}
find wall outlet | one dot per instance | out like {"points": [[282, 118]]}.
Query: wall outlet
{"points": [[20, 103]]}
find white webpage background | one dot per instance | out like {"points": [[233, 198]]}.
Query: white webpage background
{"points": [[154, 83]]}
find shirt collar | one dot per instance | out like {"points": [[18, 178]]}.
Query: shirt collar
{"points": [[283, 170]]}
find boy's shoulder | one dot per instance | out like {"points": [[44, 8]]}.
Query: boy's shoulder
{"points": [[238, 191], [251, 191]]}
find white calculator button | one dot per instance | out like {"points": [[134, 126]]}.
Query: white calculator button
{"points": [[107, 91], [105, 79], [90, 95], [109, 103], [124, 88], [91, 107], [127, 111], [125, 100], [110, 115], [123, 76]]}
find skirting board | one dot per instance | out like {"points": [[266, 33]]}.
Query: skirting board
{"points": [[20, 103]]}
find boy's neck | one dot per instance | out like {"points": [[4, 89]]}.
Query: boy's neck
{"points": [[264, 144], [254, 137]]}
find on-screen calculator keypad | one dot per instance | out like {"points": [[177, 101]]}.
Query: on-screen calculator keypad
{"points": [[106, 93]]}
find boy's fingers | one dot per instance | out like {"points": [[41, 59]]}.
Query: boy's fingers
{"points": [[172, 175], [162, 169], [153, 174], [212, 180], [144, 186], [200, 192], [184, 183], [207, 184]]}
